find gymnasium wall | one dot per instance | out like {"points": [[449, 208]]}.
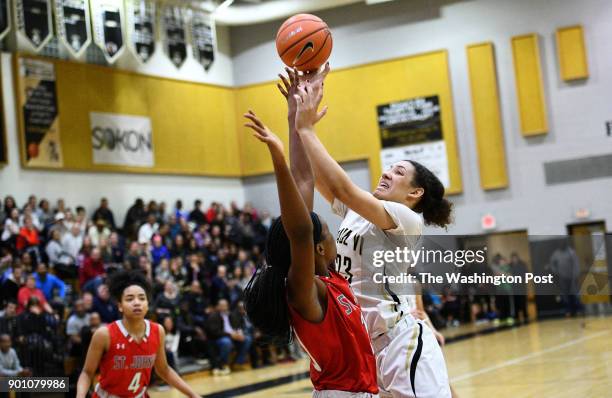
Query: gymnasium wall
{"points": [[86, 188], [576, 111]]}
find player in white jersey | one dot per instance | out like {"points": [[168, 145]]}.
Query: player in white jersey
{"points": [[409, 360]]}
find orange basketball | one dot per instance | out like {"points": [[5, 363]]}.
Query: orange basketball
{"points": [[304, 41]]}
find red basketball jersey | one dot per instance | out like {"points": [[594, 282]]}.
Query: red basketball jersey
{"points": [[125, 369], [339, 346]]}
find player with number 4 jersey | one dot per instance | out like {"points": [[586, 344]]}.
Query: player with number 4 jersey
{"points": [[127, 350]]}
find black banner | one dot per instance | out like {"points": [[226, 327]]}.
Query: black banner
{"points": [[108, 27], [3, 154], [174, 34], [141, 28], [409, 122], [39, 114], [202, 38], [34, 21], [72, 19], [5, 19]]}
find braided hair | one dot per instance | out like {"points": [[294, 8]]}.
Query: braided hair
{"points": [[265, 296]]}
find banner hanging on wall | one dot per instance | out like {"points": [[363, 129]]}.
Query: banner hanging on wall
{"points": [[107, 20], [175, 43], [5, 18], [72, 24], [3, 154], [140, 16], [203, 38], [412, 130], [33, 21], [39, 114], [122, 140]]}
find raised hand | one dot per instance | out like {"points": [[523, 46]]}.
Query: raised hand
{"points": [[307, 114], [261, 132], [294, 80]]}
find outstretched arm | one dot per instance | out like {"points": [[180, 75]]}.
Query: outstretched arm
{"points": [[332, 176], [300, 166], [302, 288]]}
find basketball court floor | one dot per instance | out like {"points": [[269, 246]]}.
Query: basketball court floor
{"points": [[557, 358]]}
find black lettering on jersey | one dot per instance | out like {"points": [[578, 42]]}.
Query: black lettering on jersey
{"points": [[343, 266], [358, 242], [343, 235]]}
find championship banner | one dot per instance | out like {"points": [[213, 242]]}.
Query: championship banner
{"points": [[5, 18], [39, 114], [72, 24], [107, 21], [123, 140], [140, 16], [412, 130], [33, 20], [175, 44], [3, 143], [202, 38]]}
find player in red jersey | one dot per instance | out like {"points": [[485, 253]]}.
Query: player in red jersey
{"points": [[298, 290], [127, 350]]}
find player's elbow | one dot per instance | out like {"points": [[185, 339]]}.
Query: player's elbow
{"points": [[341, 191]]}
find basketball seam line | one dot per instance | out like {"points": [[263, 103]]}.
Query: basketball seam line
{"points": [[294, 44], [317, 53], [299, 20]]}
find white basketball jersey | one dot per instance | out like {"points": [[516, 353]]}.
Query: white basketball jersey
{"points": [[356, 243]]}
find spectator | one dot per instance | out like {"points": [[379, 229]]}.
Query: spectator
{"points": [[239, 319], [76, 322], [60, 207], [98, 231], [519, 268], [13, 281], [36, 330], [195, 270], [9, 205], [117, 251], [31, 291], [11, 227], [134, 217], [8, 319], [28, 212], [227, 337], [178, 272], [220, 289], [28, 239], [55, 251], [198, 302], [196, 216], [178, 248], [133, 255], [106, 214], [167, 302], [193, 340], [72, 243], [44, 213], [59, 224], [48, 283], [178, 210], [86, 333], [92, 268], [9, 362], [103, 305], [565, 266], [159, 251], [173, 338], [146, 231], [81, 219], [88, 301]]}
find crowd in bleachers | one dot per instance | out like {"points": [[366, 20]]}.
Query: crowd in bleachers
{"points": [[54, 263]]}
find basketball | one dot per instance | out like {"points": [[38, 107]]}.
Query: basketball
{"points": [[304, 42]]}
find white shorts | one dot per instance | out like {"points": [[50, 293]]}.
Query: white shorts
{"points": [[410, 363], [341, 394]]}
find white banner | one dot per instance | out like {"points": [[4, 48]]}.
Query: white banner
{"points": [[33, 21], [72, 24], [123, 140]]}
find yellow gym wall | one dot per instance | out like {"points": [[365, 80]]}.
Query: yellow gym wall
{"points": [[197, 128], [193, 124], [350, 129]]}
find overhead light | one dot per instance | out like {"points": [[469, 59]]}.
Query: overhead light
{"points": [[371, 2]]}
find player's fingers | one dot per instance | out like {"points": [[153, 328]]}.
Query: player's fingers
{"points": [[258, 130], [282, 90], [322, 113], [252, 116], [285, 81]]}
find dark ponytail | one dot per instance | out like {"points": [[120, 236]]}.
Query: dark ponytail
{"points": [[436, 210], [265, 296]]}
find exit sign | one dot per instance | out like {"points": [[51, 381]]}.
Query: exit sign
{"points": [[488, 222]]}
